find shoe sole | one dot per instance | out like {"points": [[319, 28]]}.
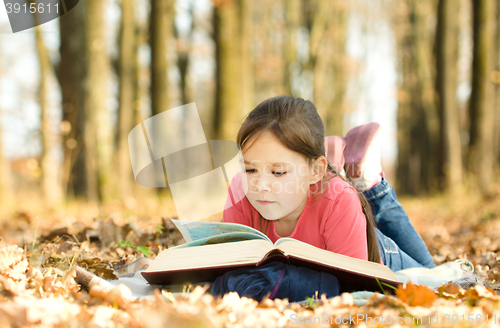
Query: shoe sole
{"points": [[358, 142]]}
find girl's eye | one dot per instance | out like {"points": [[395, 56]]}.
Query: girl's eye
{"points": [[279, 174], [250, 171]]}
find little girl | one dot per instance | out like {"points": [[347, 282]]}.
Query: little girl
{"points": [[294, 191]]}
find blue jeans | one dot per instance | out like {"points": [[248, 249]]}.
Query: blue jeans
{"points": [[400, 245]]}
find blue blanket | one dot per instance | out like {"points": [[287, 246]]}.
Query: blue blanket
{"points": [[277, 279]]}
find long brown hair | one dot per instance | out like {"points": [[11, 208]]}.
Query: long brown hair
{"points": [[295, 122]]}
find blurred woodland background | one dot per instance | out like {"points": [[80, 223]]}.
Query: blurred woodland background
{"points": [[227, 56]]}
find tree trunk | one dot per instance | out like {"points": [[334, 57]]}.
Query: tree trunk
{"points": [[450, 154], [268, 41], [416, 117], [126, 73], [480, 156], [425, 127], [334, 97], [292, 15], [402, 27], [183, 41], [161, 30], [183, 64], [497, 87], [317, 25], [98, 135], [247, 68], [141, 37], [141, 109], [228, 113], [71, 75], [50, 182], [327, 60]]}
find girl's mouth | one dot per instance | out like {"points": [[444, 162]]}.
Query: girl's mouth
{"points": [[264, 202]]}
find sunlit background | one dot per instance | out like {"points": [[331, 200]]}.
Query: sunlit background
{"points": [[404, 64]]}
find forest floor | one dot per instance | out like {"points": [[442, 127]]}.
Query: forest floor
{"points": [[39, 249]]}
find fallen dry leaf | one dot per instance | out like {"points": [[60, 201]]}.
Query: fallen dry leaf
{"points": [[416, 295], [12, 262], [39, 288]]}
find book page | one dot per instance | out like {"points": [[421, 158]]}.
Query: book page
{"points": [[209, 256], [308, 252], [196, 230], [284, 239], [220, 239]]}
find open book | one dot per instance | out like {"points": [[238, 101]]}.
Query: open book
{"points": [[213, 248]]}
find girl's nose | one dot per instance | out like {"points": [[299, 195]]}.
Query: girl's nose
{"points": [[261, 183]]}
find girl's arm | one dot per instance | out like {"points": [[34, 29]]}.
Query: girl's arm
{"points": [[345, 226]]}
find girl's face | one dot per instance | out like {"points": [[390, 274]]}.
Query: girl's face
{"points": [[278, 178]]}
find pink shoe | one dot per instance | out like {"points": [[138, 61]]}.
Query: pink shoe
{"points": [[334, 147], [362, 156]]}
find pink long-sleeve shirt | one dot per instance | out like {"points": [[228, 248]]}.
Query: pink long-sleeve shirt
{"points": [[335, 222]]}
